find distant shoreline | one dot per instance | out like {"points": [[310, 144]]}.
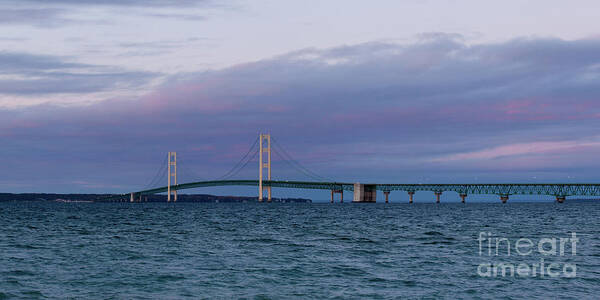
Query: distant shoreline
{"points": [[195, 198]]}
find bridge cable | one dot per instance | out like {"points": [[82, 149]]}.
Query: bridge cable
{"points": [[298, 165], [181, 166], [157, 180], [289, 163], [154, 179], [239, 163], [245, 164]]}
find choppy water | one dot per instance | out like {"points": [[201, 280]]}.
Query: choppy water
{"points": [[160, 250]]}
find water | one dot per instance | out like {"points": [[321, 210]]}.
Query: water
{"points": [[165, 251]]}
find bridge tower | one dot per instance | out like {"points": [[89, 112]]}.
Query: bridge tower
{"points": [[264, 143], [172, 172]]}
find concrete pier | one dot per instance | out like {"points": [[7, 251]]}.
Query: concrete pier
{"points": [[341, 192], [365, 193], [387, 196], [437, 197], [462, 197], [410, 196]]}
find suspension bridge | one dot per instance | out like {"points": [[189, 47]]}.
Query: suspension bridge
{"points": [[362, 192]]}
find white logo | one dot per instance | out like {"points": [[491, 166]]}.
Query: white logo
{"points": [[547, 247]]}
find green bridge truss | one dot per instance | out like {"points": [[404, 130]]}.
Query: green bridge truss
{"points": [[551, 189]]}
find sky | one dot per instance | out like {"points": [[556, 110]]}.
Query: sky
{"points": [[93, 94]]}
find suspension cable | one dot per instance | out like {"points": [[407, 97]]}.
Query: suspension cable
{"points": [[187, 171], [161, 176], [239, 163], [245, 164], [160, 170], [289, 163], [300, 166]]}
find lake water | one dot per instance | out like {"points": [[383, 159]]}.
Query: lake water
{"points": [[274, 251]]}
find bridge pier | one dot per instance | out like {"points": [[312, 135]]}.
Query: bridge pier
{"points": [[561, 199], [341, 192], [437, 197], [503, 198], [410, 196], [462, 197], [365, 193], [387, 196]]}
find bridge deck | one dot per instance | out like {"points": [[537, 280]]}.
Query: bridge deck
{"points": [[552, 189]]}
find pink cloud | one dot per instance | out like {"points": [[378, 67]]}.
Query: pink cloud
{"points": [[278, 108], [18, 124], [204, 148], [534, 148], [517, 107]]}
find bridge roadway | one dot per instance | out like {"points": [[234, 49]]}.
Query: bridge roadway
{"points": [[560, 190]]}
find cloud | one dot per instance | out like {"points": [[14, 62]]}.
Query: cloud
{"points": [[184, 17], [41, 17], [44, 14], [13, 39], [29, 74], [30, 63], [373, 111], [535, 148], [137, 49], [146, 3]]}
